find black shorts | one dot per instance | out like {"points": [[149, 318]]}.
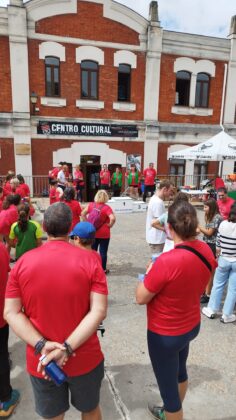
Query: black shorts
{"points": [[84, 390], [213, 248]]}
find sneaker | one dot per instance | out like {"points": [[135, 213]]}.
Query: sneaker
{"points": [[204, 298], [7, 407], [156, 412], [208, 312], [228, 318]]}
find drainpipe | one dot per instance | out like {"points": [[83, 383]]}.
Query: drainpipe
{"points": [[220, 169], [223, 98]]}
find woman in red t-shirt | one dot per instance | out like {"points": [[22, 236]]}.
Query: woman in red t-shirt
{"points": [[105, 222], [172, 291], [69, 199]]}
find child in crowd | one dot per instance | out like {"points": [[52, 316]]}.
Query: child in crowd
{"points": [[25, 234], [83, 236], [55, 192]]}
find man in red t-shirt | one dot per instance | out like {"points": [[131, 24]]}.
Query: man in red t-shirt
{"points": [[149, 175], [105, 178], [224, 202], [64, 304]]}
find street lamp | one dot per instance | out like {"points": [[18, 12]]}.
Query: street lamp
{"points": [[33, 100]]}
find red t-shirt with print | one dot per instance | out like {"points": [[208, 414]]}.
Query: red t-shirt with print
{"points": [[178, 278], [54, 283], [4, 264], [104, 232]]}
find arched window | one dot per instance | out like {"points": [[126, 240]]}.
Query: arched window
{"points": [[89, 79], [202, 90], [182, 88], [124, 82], [52, 70]]}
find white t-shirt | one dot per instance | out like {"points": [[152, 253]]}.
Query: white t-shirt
{"points": [[155, 209], [61, 177]]}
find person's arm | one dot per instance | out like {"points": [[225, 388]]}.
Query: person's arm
{"points": [[88, 325], [143, 296], [21, 325], [84, 213], [157, 225], [112, 219], [206, 231]]}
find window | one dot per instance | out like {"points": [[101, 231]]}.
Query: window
{"points": [[124, 77], [182, 88], [52, 68], [89, 79], [177, 169], [202, 90]]}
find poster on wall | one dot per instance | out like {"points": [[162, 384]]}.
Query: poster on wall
{"points": [[134, 160]]}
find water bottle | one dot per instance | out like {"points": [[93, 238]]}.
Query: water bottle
{"points": [[54, 372], [141, 276]]}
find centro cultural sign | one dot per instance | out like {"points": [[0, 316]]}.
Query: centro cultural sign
{"points": [[86, 129]]}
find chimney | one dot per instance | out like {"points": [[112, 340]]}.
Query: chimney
{"points": [[153, 11], [232, 30]]}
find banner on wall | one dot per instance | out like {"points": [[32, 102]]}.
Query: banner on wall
{"points": [[134, 160], [86, 129]]}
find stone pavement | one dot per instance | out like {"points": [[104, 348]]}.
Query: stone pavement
{"points": [[129, 381]]}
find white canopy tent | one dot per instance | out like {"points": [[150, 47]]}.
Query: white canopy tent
{"points": [[219, 148]]}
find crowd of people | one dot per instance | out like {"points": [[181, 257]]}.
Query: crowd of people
{"points": [[58, 316], [138, 183]]}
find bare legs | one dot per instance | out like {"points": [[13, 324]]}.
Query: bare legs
{"points": [[93, 415]]}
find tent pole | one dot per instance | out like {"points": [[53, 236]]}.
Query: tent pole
{"points": [[220, 170], [223, 98]]}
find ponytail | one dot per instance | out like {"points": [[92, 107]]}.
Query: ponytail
{"points": [[23, 212]]}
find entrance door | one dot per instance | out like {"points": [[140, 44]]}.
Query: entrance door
{"points": [[90, 166], [92, 180]]}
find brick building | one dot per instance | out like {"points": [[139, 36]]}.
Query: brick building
{"points": [[108, 85]]}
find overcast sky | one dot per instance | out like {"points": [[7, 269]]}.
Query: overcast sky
{"points": [[205, 17]]}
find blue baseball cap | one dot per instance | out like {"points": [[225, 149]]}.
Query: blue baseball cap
{"points": [[83, 230]]}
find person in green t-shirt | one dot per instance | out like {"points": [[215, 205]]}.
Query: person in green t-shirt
{"points": [[25, 234], [116, 181]]}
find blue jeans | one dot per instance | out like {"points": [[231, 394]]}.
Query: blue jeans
{"points": [[225, 273], [102, 244]]}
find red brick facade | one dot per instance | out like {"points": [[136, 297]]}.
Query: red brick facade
{"points": [[89, 24], [71, 85], [167, 94], [5, 76]]}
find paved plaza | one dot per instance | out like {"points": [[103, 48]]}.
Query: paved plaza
{"points": [[129, 381]]}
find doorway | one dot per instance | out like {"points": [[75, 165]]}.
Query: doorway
{"points": [[90, 166]]}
